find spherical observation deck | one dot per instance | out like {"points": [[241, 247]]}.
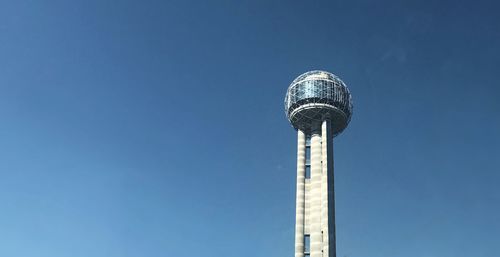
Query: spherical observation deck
{"points": [[315, 96]]}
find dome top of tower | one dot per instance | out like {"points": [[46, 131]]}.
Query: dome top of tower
{"points": [[315, 96], [315, 74]]}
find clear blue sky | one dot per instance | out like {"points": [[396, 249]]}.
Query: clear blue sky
{"points": [[156, 128]]}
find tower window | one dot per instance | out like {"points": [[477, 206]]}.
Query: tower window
{"points": [[308, 171], [308, 149], [307, 245], [308, 155]]}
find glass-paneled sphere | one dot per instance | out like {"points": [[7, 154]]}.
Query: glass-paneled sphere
{"points": [[315, 96]]}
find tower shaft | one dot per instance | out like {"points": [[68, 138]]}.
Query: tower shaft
{"points": [[315, 209], [300, 200]]}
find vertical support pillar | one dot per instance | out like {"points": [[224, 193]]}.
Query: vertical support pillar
{"points": [[316, 238], [328, 193], [328, 190], [324, 185], [300, 200]]}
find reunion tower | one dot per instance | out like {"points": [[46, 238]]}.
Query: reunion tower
{"points": [[319, 106]]}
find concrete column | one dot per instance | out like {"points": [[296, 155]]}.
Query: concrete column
{"points": [[300, 201], [316, 238], [328, 201], [324, 187]]}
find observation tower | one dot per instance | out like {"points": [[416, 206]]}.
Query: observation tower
{"points": [[318, 105]]}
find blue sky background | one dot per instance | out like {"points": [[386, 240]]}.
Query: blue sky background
{"points": [[156, 128]]}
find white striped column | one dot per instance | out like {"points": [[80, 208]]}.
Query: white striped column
{"points": [[300, 201], [316, 244], [325, 129]]}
